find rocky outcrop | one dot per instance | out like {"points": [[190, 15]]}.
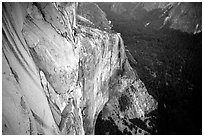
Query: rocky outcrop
{"points": [[58, 74], [168, 61]]}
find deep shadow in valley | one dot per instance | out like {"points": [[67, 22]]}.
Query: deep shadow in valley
{"points": [[169, 62]]}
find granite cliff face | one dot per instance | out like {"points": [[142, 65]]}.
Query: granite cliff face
{"points": [[62, 67], [167, 57]]}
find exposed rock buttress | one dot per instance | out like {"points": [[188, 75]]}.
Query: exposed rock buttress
{"points": [[60, 70]]}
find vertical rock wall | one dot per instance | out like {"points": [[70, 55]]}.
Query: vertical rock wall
{"points": [[58, 75]]}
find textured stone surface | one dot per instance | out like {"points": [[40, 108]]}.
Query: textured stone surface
{"points": [[23, 86], [168, 61], [66, 72]]}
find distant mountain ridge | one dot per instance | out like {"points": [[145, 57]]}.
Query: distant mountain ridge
{"points": [[185, 17]]}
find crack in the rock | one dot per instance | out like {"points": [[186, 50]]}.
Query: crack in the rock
{"points": [[12, 70]]}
